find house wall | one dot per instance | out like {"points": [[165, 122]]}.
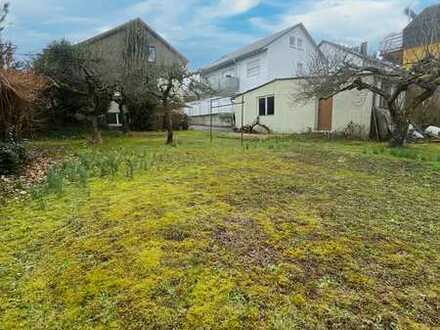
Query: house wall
{"points": [[336, 54], [352, 106], [283, 59], [203, 107], [111, 50], [218, 120], [292, 116], [289, 117], [278, 61], [414, 55], [239, 70]]}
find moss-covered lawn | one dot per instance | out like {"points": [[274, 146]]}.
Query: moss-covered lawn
{"points": [[282, 234]]}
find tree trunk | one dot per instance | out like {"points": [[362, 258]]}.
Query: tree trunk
{"points": [[400, 131], [96, 133], [169, 124]]}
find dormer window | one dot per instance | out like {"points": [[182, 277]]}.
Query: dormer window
{"points": [[151, 54]]}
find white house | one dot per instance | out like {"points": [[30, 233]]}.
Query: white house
{"points": [[275, 106], [281, 55]]}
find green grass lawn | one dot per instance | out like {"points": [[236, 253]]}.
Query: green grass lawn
{"points": [[285, 233]]}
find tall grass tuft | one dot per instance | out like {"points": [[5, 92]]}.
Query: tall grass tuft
{"points": [[55, 180], [88, 165]]}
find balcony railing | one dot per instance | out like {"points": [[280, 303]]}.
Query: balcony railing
{"points": [[226, 86]]}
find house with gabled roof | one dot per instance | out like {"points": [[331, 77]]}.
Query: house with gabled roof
{"points": [[115, 49], [280, 55], [115, 46]]}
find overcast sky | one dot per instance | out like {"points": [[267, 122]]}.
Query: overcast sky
{"points": [[204, 30]]}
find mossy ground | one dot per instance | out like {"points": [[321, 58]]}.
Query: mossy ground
{"points": [[287, 233]]}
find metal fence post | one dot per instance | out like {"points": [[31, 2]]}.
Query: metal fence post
{"points": [[242, 120], [210, 120]]}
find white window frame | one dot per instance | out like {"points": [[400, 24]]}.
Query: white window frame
{"points": [[251, 66], [152, 54], [266, 98]]}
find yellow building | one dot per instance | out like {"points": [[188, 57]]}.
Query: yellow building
{"points": [[422, 36]]}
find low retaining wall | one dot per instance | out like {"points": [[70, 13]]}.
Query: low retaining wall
{"points": [[218, 120]]}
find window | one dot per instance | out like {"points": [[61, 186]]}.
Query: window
{"points": [[113, 119], [270, 107], [253, 68], [151, 54], [266, 106], [299, 68], [299, 43], [262, 106], [292, 41]]}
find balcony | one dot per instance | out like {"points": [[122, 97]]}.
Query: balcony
{"points": [[226, 86]]}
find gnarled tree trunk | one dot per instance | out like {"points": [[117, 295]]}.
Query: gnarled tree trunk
{"points": [[169, 126]]}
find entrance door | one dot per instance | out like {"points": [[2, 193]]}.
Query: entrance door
{"points": [[325, 113]]}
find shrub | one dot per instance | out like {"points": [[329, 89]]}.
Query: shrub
{"points": [[12, 156], [20, 99]]}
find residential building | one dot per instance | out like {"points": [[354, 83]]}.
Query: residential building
{"points": [[422, 35], [284, 54], [115, 49], [391, 48], [356, 55], [274, 105]]}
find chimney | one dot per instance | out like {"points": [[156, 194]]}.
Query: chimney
{"points": [[364, 48]]}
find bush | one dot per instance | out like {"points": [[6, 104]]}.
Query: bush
{"points": [[12, 157]]}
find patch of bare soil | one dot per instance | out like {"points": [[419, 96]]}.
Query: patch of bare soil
{"points": [[246, 240]]}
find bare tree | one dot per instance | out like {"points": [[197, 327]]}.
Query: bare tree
{"points": [[403, 90], [170, 86]]}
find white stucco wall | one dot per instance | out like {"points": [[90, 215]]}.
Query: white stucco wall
{"points": [[289, 117], [283, 60], [294, 117], [246, 82], [352, 106]]}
